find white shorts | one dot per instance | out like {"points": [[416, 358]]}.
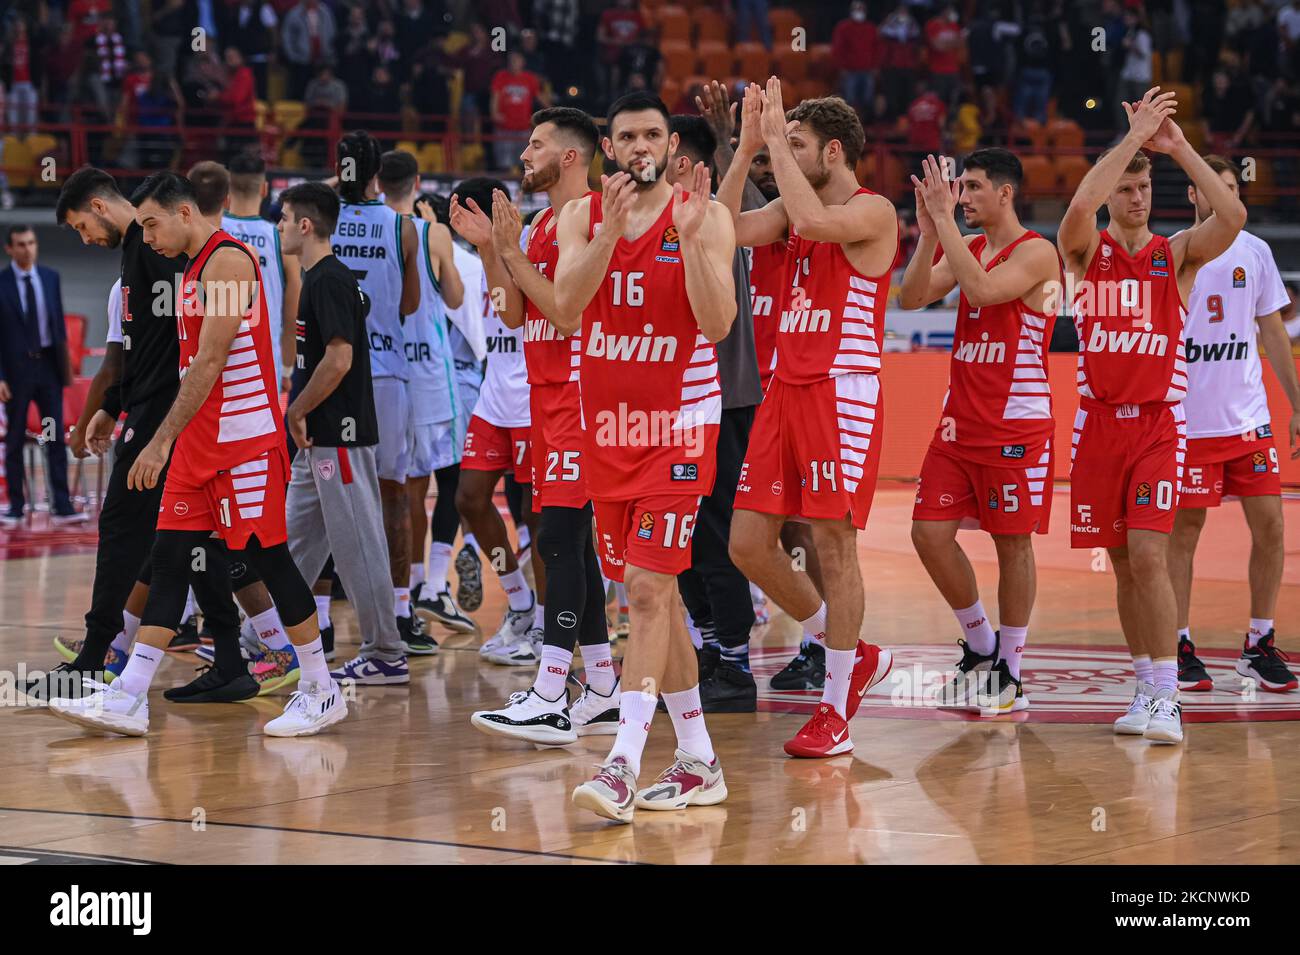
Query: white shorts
{"points": [[433, 447], [393, 411]]}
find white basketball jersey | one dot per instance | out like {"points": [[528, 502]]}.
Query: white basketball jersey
{"points": [[432, 382], [264, 240], [368, 240], [1225, 384], [504, 398]]}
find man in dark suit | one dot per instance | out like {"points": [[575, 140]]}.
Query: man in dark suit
{"points": [[33, 367]]}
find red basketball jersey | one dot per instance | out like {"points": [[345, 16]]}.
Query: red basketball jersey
{"points": [[998, 397], [1129, 316], [768, 283], [832, 317], [651, 399], [240, 418], [552, 358]]}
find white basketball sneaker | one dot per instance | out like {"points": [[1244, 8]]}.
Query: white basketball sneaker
{"points": [[312, 707], [108, 708], [594, 714], [1134, 722], [530, 717], [1166, 724], [524, 652], [516, 624]]}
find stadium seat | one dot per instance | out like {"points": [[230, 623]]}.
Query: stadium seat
{"points": [[815, 88], [431, 158], [753, 62], [792, 64], [1040, 176], [1029, 131], [289, 114], [670, 91], [1194, 133], [886, 177], [679, 59], [261, 110], [18, 162], [1071, 170], [822, 63], [1189, 105], [710, 24], [783, 21], [1064, 134], [715, 58], [407, 146], [674, 24]]}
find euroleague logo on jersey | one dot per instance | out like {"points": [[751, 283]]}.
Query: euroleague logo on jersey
{"points": [[1143, 493], [671, 241], [1239, 277], [1159, 263]]}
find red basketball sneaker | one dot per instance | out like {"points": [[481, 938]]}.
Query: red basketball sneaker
{"points": [[870, 667], [826, 734]]}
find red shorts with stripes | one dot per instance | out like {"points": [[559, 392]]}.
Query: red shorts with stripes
{"points": [[814, 450], [653, 532], [1246, 467], [489, 447], [245, 501], [1126, 464], [1010, 498], [558, 478]]}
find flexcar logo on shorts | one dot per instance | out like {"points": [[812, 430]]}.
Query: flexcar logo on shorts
{"points": [[1143, 493], [671, 243], [1239, 277], [1260, 462], [647, 528]]}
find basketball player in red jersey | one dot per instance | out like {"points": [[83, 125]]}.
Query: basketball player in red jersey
{"points": [[989, 463], [559, 153], [1129, 434], [815, 448], [648, 266], [228, 473]]}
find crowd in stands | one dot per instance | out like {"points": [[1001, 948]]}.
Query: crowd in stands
{"points": [[924, 74]]}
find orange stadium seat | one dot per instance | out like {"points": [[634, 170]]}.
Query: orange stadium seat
{"points": [[1071, 170], [1064, 134], [1040, 175], [1188, 103], [670, 91], [679, 58], [822, 63], [715, 58], [887, 178], [1029, 131], [674, 24], [753, 62], [815, 88], [783, 20], [792, 64], [710, 24]]}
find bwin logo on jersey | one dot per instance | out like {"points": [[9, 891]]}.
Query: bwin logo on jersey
{"points": [[540, 330], [644, 347], [982, 352], [503, 344], [1127, 342], [1231, 350], [805, 320]]}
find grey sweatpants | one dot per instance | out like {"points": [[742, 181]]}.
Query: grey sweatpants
{"points": [[333, 508]]}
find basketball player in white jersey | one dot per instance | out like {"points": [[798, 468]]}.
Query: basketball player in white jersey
{"points": [[432, 385], [381, 247], [497, 442], [1235, 307], [281, 273]]}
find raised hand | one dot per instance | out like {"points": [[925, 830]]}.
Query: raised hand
{"points": [[618, 193], [751, 121], [938, 192], [507, 225], [718, 111], [774, 124], [471, 223], [1167, 138], [1147, 116], [690, 212]]}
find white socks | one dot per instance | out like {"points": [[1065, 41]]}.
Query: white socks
{"points": [[975, 624], [137, 676], [270, 630], [539, 618], [311, 663], [1012, 646], [1166, 673], [439, 564], [1142, 669], [516, 588], [402, 601], [130, 624], [814, 628], [322, 610], [635, 710], [1259, 629], [552, 672], [839, 671], [598, 667], [417, 575], [688, 723]]}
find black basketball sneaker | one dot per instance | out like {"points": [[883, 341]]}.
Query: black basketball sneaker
{"points": [[1192, 675], [187, 637], [807, 671], [729, 689], [1266, 665], [970, 681], [213, 686]]}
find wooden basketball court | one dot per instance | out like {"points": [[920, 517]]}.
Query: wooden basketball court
{"points": [[407, 780]]}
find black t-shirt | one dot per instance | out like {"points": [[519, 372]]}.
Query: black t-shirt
{"points": [[332, 306], [151, 357]]}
